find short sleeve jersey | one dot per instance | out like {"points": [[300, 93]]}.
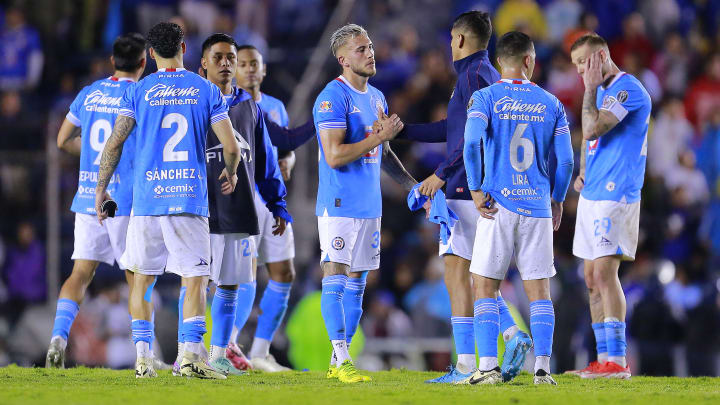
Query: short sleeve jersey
{"points": [[615, 162], [353, 190], [522, 121], [173, 110], [94, 110]]}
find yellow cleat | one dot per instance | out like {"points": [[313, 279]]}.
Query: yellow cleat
{"points": [[347, 373], [332, 372]]}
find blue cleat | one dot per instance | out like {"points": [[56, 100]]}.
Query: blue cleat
{"points": [[514, 358], [453, 376]]}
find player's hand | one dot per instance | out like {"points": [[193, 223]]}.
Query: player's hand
{"points": [[484, 203], [427, 206], [100, 197], [579, 183], [389, 127], [592, 77], [557, 210], [431, 185], [279, 227], [286, 165], [228, 183]]}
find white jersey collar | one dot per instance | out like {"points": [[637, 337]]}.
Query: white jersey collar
{"points": [[615, 79], [171, 69], [344, 80]]}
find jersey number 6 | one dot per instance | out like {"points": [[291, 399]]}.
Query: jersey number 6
{"points": [[528, 149]]}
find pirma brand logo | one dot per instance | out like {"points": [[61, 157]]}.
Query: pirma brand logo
{"points": [[338, 243]]}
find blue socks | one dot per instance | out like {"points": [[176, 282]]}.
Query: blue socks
{"points": [[222, 310], [352, 304], [600, 341], [245, 301], [542, 324], [487, 328], [193, 331], [273, 305], [181, 301], [506, 319], [141, 331], [615, 337], [64, 316], [464, 334], [331, 306]]}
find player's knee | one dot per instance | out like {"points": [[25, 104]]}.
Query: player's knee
{"points": [[283, 272]]}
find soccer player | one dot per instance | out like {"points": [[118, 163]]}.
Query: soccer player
{"points": [[470, 34], [349, 203], [276, 251], [615, 117], [168, 230], [511, 127], [84, 132], [232, 217]]}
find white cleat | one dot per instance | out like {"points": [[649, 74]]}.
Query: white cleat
{"points": [[195, 366], [543, 378], [144, 368], [487, 377], [267, 364], [55, 357]]}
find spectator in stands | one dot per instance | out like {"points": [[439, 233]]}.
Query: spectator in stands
{"points": [[21, 56], [562, 16], [521, 15], [21, 127], [24, 271], [671, 135], [703, 96], [633, 40], [671, 64], [588, 23]]}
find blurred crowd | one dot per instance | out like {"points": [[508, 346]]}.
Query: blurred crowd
{"points": [[49, 49]]}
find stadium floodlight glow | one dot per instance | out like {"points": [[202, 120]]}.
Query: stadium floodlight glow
{"points": [[666, 271]]}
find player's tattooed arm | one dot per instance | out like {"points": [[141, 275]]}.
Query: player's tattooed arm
{"points": [[112, 151], [69, 138], [395, 169], [595, 123]]}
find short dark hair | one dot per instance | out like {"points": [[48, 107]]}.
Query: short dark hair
{"points": [[218, 37], [475, 22], [165, 38], [591, 39], [513, 44], [247, 46], [128, 52]]}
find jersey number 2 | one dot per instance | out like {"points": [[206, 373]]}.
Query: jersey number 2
{"points": [[169, 152], [528, 156]]}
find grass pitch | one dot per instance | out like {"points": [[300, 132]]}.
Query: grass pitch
{"points": [[101, 386]]}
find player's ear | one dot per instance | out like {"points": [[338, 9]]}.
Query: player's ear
{"points": [[182, 46], [203, 63], [264, 70], [461, 40], [112, 61], [152, 53]]}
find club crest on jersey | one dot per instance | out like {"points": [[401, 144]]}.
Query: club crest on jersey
{"points": [[325, 106], [622, 96], [338, 243], [610, 186]]}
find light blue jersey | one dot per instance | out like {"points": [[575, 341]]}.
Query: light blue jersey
{"points": [[94, 110], [173, 109], [353, 190], [516, 123], [275, 109], [615, 162]]}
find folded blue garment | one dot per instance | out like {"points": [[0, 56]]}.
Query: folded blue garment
{"points": [[439, 211]]}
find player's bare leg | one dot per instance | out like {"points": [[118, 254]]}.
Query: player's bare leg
{"points": [[69, 300]]}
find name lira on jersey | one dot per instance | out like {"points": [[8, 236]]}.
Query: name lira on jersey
{"points": [[353, 190], [173, 109], [522, 121], [615, 162], [94, 110]]}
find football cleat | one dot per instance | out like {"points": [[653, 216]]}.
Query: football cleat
{"points": [[542, 377], [267, 364], [515, 350], [486, 377], [224, 366], [144, 368], [453, 376], [332, 372], [55, 357], [586, 372], [237, 357], [612, 370], [347, 373], [194, 366], [176, 369]]}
